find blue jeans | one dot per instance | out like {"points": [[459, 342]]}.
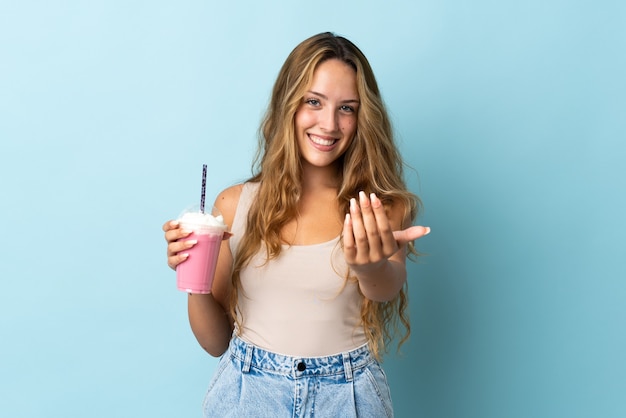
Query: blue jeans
{"points": [[252, 382]]}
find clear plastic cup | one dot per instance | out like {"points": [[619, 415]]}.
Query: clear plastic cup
{"points": [[195, 274]]}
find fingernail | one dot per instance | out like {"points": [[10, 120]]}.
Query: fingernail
{"points": [[347, 220], [353, 204], [427, 230], [174, 223], [184, 255], [375, 200], [362, 197], [192, 242]]}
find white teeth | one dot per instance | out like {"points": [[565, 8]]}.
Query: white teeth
{"points": [[320, 141]]}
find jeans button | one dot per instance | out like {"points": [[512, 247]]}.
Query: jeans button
{"points": [[301, 366]]}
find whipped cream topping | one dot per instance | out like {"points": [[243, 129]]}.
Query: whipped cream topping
{"points": [[203, 220]]}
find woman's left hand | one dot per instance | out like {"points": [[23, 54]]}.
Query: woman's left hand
{"points": [[368, 236]]}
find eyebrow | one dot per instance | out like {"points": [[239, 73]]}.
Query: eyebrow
{"points": [[326, 98]]}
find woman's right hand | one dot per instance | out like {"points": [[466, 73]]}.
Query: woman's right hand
{"points": [[176, 249]]}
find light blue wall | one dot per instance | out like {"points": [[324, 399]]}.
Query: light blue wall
{"points": [[512, 114]]}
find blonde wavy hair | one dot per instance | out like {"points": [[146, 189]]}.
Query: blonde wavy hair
{"points": [[372, 163]]}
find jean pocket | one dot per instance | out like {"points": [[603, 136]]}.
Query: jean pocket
{"points": [[378, 381], [225, 360]]}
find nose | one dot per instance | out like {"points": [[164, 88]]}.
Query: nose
{"points": [[328, 121]]}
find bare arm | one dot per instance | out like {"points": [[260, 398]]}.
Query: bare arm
{"points": [[375, 246], [209, 315]]}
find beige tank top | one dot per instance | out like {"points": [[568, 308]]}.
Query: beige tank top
{"points": [[300, 303]]}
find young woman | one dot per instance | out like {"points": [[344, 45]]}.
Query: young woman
{"points": [[310, 285]]}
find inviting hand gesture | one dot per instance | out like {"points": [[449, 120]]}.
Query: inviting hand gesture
{"points": [[368, 238]]}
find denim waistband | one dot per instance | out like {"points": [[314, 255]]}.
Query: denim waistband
{"points": [[345, 363]]}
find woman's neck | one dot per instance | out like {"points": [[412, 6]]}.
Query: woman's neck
{"points": [[319, 179]]}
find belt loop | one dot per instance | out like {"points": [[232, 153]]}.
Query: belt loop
{"points": [[248, 359], [347, 366]]}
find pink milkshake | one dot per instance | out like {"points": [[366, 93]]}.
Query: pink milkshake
{"points": [[195, 275]]}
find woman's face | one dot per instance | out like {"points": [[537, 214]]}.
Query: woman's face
{"points": [[326, 120]]}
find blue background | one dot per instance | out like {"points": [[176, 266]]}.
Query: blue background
{"points": [[511, 113]]}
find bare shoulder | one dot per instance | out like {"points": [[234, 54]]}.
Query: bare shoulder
{"points": [[227, 202]]}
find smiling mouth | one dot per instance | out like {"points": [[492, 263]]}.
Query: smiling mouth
{"points": [[326, 142]]}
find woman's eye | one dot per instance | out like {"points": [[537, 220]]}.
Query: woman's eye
{"points": [[313, 102], [346, 108]]}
